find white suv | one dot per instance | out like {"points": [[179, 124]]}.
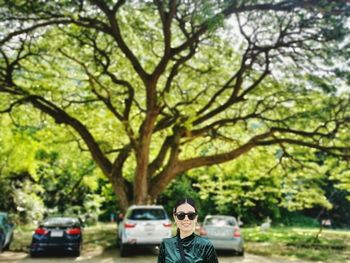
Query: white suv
{"points": [[143, 225]]}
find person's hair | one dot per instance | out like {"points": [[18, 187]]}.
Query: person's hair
{"points": [[189, 201]]}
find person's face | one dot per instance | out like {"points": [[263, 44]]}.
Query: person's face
{"points": [[186, 225]]}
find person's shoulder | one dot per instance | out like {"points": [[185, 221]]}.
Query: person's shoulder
{"points": [[203, 240], [200, 237], [169, 240]]}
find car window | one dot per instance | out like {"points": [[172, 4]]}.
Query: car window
{"points": [[147, 214], [214, 221]]}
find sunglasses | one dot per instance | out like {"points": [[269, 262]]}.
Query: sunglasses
{"points": [[182, 215]]}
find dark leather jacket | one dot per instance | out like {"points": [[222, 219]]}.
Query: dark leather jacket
{"points": [[197, 250]]}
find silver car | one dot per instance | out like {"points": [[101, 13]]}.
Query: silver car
{"points": [[223, 232], [143, 225]]}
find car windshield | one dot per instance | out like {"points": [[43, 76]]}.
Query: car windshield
{"points": [[217, 221], [147, 214], [60, 221]]}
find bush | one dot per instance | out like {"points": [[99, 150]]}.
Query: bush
{"points": [[298, 220]]}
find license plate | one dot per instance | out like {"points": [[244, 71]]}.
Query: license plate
{"points": [[219, 234], [149, 228], [56, 233]]}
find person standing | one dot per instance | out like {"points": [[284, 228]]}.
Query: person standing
{"points": [[186, 246]]}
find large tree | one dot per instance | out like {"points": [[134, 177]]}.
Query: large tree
{"points": [[156, 88]]}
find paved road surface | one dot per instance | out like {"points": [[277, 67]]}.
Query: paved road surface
{"points": [[112, 256]]}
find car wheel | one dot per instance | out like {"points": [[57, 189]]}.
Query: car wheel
{"points": [[124, 250], [2, 245], [33, 254], [7, 247], [240, 253], [118, 240], [76, 253]]}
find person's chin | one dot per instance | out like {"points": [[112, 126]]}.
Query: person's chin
{"points": [[187, 227]]}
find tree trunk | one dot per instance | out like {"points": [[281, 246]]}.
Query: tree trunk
{"points": [[120, 191], [141, 182]]}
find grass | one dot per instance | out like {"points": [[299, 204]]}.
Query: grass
{"points": [[303, 243], [330, 246]]}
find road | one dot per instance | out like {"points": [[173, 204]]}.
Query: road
{"points": [[112, 256]]}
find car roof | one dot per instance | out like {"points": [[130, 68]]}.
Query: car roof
{"points": [[220, 216], [132, 207]]}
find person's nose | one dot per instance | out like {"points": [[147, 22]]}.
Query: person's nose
{"points": [[186, 218]]}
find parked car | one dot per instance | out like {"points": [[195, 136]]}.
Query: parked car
{"points": [[6, 231], [143, 225], [58, 234], [223, 232]]}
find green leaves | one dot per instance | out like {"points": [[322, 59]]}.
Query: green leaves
{"points": [[152, 90]]}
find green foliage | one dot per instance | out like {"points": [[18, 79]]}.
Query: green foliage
{"points": [[110, 204], [251, 184], [296, 219], [29, 206], [40, 176], [137, 87]]}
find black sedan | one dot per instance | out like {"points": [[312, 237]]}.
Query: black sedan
{"points": [[58, 234]]}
